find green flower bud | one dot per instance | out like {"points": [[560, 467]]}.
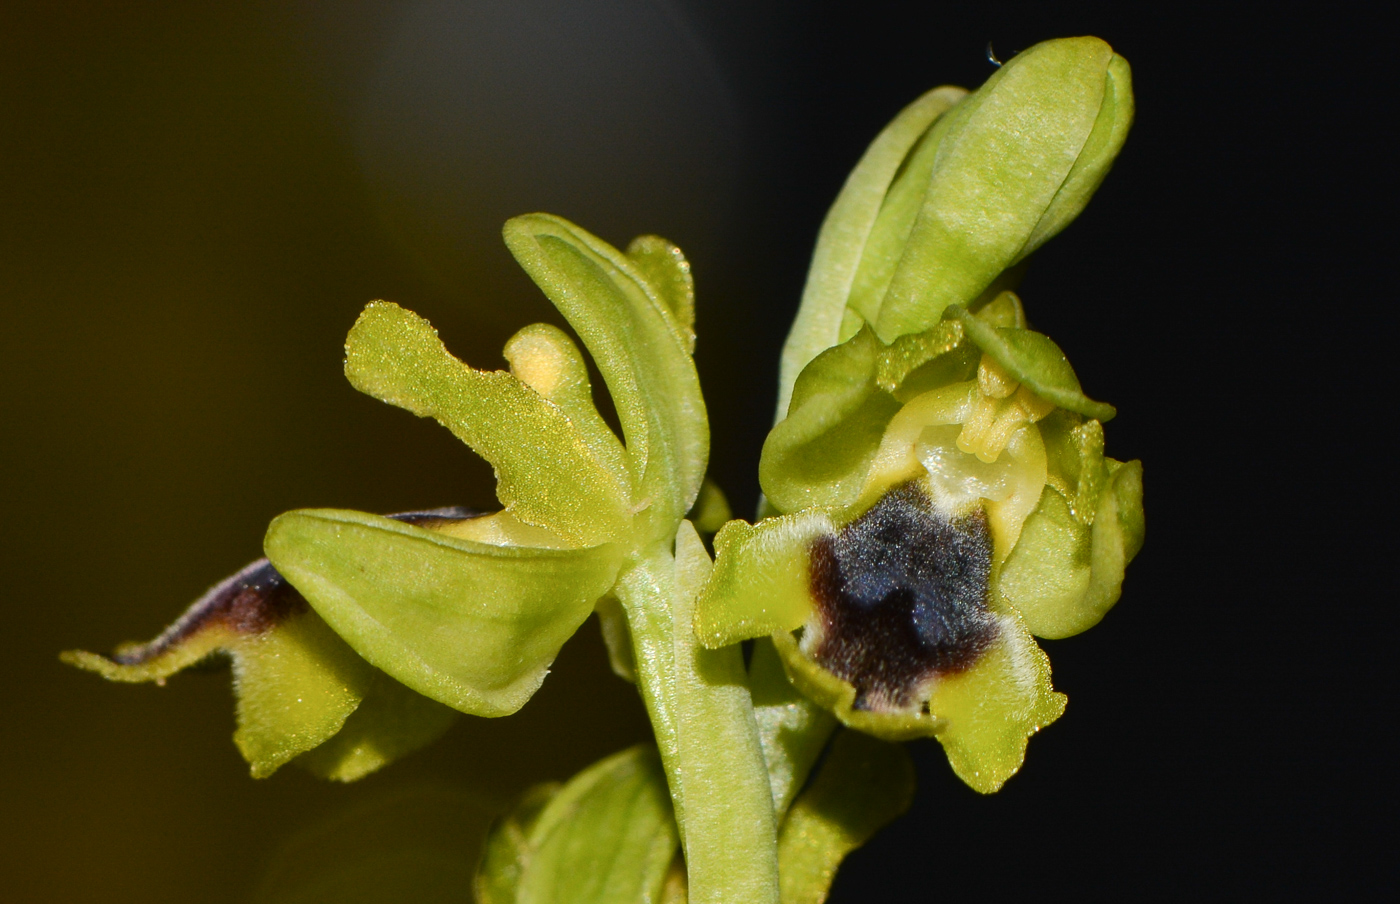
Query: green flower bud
{"points": [[958, 190]]}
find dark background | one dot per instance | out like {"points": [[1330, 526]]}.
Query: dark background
{"points": [[196, 200]]}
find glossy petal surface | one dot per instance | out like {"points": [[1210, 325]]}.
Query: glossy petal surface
{"points": [[469, 624]]}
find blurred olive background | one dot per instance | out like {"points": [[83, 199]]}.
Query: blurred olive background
{"points": [[197, 199]]}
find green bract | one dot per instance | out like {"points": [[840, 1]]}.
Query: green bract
{"points": [[936, 470]]}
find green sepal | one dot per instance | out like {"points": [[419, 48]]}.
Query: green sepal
{"points": [[607, 836], [1064, 575], [1036, 361], [760, 582], [472, 625], [885, 245], [668, 272], [820, 453], [562, 479], [391, 722], [863, 785], [1020, 158], [296, 682], [845, 232], [641, 348], [1095, 160]]}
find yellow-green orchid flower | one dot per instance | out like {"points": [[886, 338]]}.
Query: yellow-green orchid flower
{"points": [[937, 478]]}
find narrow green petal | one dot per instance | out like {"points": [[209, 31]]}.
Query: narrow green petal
{"points": [[392, 722], [844, 234], [1009, 150], [916, 351], [668, 272], [1035, 360], [820, 453], [641, 351], [296, 682], [469, 624], [543, 357], [990, 711], [862, 786], [760, 580], [558, 479], [607, 836]]}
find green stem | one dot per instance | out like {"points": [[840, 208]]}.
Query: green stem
{"points": [[700, 709]]}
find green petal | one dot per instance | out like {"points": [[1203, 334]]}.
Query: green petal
{"points": [[1035, 360], [559, 479], [1064, 576], [844, 235], [942, 346], [820, 453], [1010, 149], [607, 836], [864, 784], [295, 680], [759, 584], [543, 357], [469, 624], [668, 272], [641, 350], [1047, 575], [990, 711], [392, 722]]}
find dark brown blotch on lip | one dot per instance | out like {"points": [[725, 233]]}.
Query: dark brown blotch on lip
{"points": [[901, 595], [257, 598]]}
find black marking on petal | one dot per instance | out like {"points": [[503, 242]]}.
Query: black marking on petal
{"points": [[901, 597], [258, 598], [431, 518], [249, 602]]}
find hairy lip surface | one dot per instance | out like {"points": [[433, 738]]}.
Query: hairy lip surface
{"points": [[901, 597]]}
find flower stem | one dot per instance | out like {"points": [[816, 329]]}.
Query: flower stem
{"points": [[701, 711]]}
